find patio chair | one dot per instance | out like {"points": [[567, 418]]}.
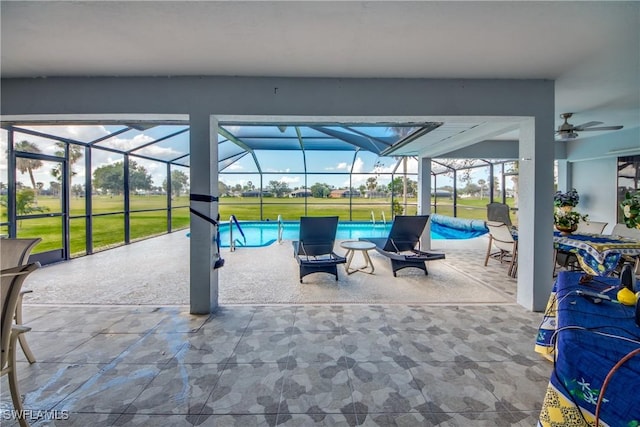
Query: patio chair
{"points": [[499, 212], [11, 280], [16, 252], [621, 230], [591, 227], [314, 249], [400, 245], [500, 238]]}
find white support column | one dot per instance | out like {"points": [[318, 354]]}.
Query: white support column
{"points": [[564, 175], [424, 197], [535, 213], [204, 181]]}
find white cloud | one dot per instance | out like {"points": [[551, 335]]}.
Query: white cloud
{"points": [[126, 144], [339, 166], [287, 170], [82, 133], [358, 166], [290, 179]]}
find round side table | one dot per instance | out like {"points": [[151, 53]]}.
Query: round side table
{"points": [[361, 246]]}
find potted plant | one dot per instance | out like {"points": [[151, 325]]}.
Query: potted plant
{"points": [[631, 209], [567, 221], [565, 218], [566, 201]]}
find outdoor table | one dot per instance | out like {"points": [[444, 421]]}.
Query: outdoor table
{"points": [[361, 246], [597, 254]]}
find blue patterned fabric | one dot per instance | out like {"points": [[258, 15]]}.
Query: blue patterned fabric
{"points": [[598, 255], [457, 228], [590, 339]]}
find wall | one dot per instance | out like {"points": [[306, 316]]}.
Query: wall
{"points": [[596, 182], [593, 166], [624, 142]]}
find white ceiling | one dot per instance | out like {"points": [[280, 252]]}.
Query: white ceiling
{"points": [[591, 49]]}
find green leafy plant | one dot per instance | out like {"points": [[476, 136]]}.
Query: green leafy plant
{"points": [[397, 208], [631, 209], [26, 202], [569, 219]]}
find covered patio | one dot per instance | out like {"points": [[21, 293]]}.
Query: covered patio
{"points": [[247, 345], [115, 347]]}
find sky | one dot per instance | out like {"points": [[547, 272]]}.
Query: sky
{"points": [[284, 166], [331, 167]]}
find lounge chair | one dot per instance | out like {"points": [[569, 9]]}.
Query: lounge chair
{"points": [[314, 250], [400, 245]]}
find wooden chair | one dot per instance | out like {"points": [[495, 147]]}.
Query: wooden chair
{"points": [[500, 238], [14, 253], [11, 280]]}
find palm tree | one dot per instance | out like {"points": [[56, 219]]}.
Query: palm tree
{"points": [[75, 154], [372, 183], [28, 165], [482, 183]]}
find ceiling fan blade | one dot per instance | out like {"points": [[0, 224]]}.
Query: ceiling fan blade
{"points": [[599, 128], [587, 125]]}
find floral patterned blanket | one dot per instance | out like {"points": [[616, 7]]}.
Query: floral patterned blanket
{"points": [[588, 341]]}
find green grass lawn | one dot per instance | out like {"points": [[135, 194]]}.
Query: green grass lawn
{"points": [[108, 230]]}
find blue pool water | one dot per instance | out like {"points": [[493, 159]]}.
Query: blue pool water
{"points": [[265, 233]]}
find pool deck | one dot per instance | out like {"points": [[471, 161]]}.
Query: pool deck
{"points": [[156, 271]]}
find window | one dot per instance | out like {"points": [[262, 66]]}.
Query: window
{"points": [[628, 179]]}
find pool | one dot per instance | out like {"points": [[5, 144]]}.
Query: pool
{"points": [[264, 233]]}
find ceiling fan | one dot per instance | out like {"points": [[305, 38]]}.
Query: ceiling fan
{"points": [[568, 131]]}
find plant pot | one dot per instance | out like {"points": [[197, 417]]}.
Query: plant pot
{"points": [[564, 230]]}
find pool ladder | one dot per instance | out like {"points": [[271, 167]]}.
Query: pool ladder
{"points": [[232, 242], [373, 218], [280, 229]]}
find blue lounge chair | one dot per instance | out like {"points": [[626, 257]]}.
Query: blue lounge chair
{"points": [[402, 246], [314, 250]]}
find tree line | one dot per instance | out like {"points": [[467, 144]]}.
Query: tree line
{"points": [[321, 189], [106, 178]]}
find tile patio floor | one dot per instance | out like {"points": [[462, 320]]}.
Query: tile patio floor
{"points": [[420, 364]]}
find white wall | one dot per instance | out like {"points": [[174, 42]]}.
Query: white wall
{"points": [[596, 182], [624, 142], [593, 171]]}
